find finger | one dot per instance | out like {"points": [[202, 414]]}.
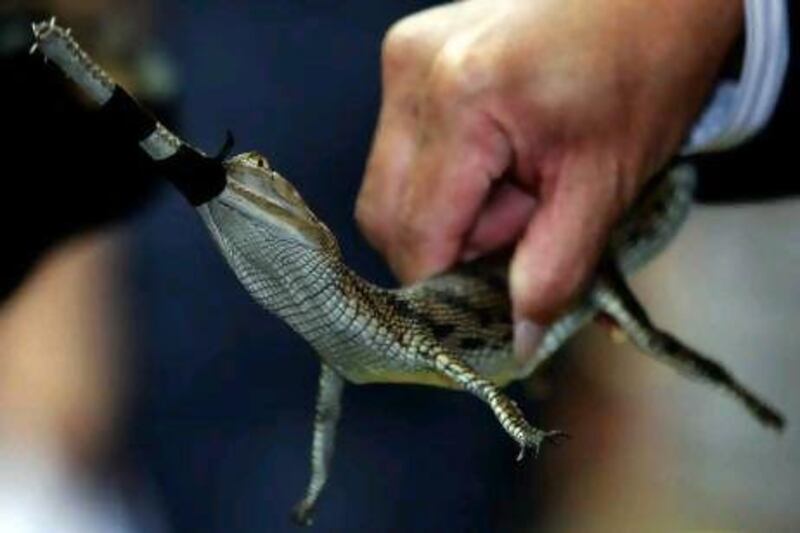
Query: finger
{"points": [[409, 50], [457, 158], [501, 221], [387, 168], [565, 238]]}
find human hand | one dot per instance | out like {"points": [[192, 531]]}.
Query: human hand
{"points": [[536, 122]]}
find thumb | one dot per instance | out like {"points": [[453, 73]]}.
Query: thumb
{"points": [[562, 243]]}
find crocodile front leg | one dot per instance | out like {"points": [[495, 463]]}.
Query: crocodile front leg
{"points": [[329, 408], [504, 408]]}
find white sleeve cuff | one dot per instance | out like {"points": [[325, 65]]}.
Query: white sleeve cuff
{"points": [[739, 109]]}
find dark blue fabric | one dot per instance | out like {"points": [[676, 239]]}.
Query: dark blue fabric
{"points": [[225, 391]]}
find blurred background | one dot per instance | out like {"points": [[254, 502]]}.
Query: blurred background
{"points": [[141, 390]]}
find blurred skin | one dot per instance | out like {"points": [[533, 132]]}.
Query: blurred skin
{"points": [[533, 122], [62, 344]]}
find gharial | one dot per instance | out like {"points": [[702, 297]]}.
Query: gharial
{"points": [[452, 330]]}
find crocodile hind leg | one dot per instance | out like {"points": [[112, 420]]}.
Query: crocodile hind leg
{"points": [[613, 296], [504, 408], [329, 401]]}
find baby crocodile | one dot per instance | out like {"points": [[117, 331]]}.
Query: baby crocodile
{"points": [[453, 330]]}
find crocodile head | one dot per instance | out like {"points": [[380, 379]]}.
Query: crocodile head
{"points": [[261, 198]]}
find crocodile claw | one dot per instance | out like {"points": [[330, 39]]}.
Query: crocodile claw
{"points": [[303, 514], [555, 437]]}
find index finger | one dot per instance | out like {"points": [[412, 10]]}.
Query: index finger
{"points": [[458, 156]]}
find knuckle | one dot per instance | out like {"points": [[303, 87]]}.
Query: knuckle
{"points": [[401, 45], [461, 71]]}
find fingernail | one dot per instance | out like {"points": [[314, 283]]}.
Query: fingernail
{"points": [[527, 335]]}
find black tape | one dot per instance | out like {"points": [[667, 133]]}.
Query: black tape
{"points": [[197, 177], [124, 114]]}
